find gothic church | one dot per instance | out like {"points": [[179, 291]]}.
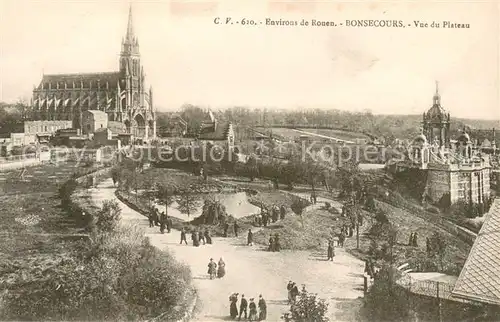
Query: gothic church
{"points": [[121, 95]]}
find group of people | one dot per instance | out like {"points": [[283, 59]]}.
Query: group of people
{"points": [[271, 214], [235, 229], [162, 220], [247, 309], [216, 269], [197, 236], [413, 241]]}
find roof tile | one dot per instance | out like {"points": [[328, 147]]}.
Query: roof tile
{"points": [[479, 279]]}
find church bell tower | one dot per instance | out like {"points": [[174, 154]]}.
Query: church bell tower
{"points": [[130, 67]]}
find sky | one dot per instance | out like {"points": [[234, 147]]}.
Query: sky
{"points": [[189, 59]]}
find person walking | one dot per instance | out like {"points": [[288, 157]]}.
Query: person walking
{"points": [[331, 252], [162, 225], [235, 228], [221, 270], [252, 314], [169, 224], [250, 238], [271, 243], [277, 245], [341, 239], [262, 308], [289, 290], [295, 292], [183, 236], [233, 308], [194, 238], [243, 307], [212, 268], [151, 218], [208, 238], [201, 237]]}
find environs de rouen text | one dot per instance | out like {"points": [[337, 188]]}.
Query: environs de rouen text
{"points": [[340, 23]]}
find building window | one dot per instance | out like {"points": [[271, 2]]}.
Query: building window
{"points": [[101, 126], [45, 128]]}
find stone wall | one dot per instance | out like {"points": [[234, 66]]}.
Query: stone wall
{"points": [[438, 184]]}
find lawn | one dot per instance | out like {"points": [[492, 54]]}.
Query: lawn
{"points": [[318, 227], [339, 134], [33, 226]]}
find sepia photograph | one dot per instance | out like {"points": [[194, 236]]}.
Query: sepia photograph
{"points": [[249, 160]]}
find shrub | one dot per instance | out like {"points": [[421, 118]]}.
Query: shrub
{"points": [[308, 307], [115, 277], [107, 219]]}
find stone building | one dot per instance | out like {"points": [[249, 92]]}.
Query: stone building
{"points": [[452, 170], [215, 132], [93, 120], [122, 95]]}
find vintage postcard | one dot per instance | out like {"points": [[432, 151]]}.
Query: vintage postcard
{"points": [[263, 160]]}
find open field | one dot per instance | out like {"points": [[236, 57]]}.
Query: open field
{"points": [[293, 134]]}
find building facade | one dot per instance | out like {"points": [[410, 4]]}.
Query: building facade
{"points": [[122, 95], [453, 170], [93, 120]]}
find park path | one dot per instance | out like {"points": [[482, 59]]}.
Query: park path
{"points": [[250, 270]]}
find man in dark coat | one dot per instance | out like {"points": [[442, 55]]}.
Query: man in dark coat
{"points": [[183, 236], [265, 219], [271, 243], [235, 228], [151, 218], [169, 224], [262, 309], [294, 292], [226, 228], [277, 246], [250, 238], [194, 238], [243, 306], [330, 250], [410, 240], [289, 290]]}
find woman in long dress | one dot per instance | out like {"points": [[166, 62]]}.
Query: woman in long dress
{"points": [[252, 316], [221, 271], [233, 308]]}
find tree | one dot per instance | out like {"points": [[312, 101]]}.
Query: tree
{"points": [[251, 168], [165, 194], [187, 201], [437, 247], [298, 206], [354, 213]]}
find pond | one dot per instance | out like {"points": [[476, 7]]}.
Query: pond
{"points": [[237, 205]]}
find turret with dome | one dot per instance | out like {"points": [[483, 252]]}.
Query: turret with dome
{"points": [[436, 122], [452, 172]]}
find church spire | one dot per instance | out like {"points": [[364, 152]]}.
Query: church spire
{"points": [[437, 97], [130, 37]]}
